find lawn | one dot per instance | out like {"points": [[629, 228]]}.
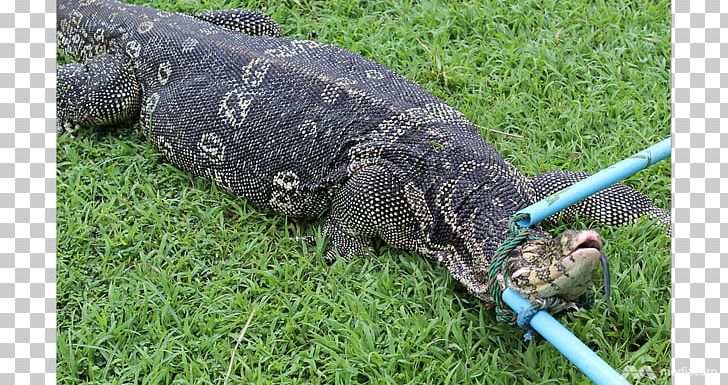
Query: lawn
{"points": [[158, 271]]}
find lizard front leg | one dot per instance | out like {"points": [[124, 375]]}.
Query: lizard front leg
{"points": [[102, 91], [372, 203]]}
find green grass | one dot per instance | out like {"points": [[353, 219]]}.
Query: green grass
{"points": [[158, 271]]}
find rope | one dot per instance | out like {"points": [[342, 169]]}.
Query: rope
{"points": [[524, 320], [499, 267]]}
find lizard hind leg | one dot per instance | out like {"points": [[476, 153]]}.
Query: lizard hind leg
{"points": [[617, 205], [253, 23], [103, 91]]}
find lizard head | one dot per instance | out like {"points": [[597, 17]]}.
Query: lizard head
{"points": [[561, 268]]}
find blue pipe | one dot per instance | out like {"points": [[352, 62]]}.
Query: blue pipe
{"points": [[599, 181], [571, 347]]}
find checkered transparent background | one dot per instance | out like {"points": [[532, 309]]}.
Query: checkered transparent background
{"points": [[27, 191], [700, 174]]}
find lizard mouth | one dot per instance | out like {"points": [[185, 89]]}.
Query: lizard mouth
{"points": [[588, 246], [590, 242]]}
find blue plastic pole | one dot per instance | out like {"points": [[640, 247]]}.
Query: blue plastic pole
{"points": [[571, 347], [599, 181]]}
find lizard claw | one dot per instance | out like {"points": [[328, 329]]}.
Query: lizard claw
{"points": [[330, 256], [310, 239], [64, 127]]}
